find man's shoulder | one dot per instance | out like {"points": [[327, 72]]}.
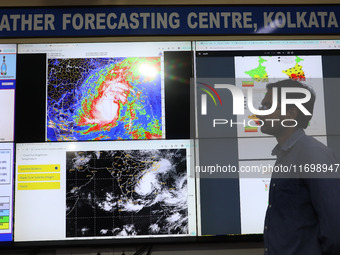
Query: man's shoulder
{"points": [[307, 140], [313, 150]]}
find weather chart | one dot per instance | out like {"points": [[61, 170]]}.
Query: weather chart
{"points": [[6, 191], [237, 138], [104, 98], [256, 72], [105, 189]]}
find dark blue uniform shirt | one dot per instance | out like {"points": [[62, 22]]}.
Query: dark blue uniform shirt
{"points": [[303, 214]]}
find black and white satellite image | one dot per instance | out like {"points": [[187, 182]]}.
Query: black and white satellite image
{"points": [[126, 193]]}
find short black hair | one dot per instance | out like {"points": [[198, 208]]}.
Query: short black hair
{"points": [[302, 119]]}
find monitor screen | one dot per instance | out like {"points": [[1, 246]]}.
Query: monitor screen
{"points": [[133, 91], [229, 143], [7, 91], [104, 190], [6, 191], [103, 91]]}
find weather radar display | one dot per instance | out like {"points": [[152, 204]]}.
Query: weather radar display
{"points": [[104, 99]]}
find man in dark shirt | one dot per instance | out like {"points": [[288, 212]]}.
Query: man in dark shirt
{"points": [[303, 214]]}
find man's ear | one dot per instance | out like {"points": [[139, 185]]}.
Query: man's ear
{"points": [[293, 113]]}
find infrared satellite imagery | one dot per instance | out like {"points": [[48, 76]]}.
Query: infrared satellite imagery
{"points": [[126, 193], [104, 99]]}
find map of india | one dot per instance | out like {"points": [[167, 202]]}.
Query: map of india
{"points": [[104, 99], [126, 192], [259, 73], [296, 72]]}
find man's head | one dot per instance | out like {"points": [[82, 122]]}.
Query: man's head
{"points": [[292, 111]]}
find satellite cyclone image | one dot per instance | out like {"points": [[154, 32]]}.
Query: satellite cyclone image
{"points": [[126, 193], [104, 99]]}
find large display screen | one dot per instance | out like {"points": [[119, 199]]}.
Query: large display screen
{"points": [[104, 91], [8, 59], [6, 191], [104, 190], [234, 141], [7, 91], [147, 96]]}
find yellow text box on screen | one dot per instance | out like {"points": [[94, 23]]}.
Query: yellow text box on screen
{"points": [[38, 168], [4, 225], [38, 177], [38, 185]]}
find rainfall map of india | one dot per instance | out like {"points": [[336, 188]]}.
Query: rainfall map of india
{"points": [[104, 99], [256, 71], [126, 192]]}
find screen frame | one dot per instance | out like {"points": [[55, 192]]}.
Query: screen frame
{"points": [[227, 238]]}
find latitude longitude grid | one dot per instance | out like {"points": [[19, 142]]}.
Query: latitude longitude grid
{"points": [[151, 217]]}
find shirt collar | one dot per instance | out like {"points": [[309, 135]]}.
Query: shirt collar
{"points": [[289, 143]]}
